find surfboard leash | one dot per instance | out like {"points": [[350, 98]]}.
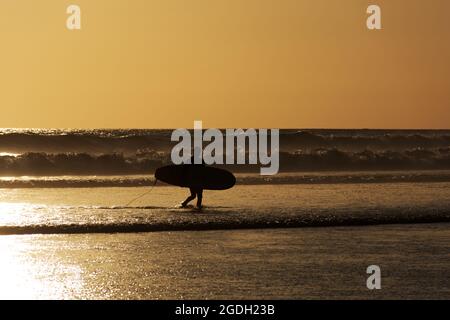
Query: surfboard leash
{"points": [[145, 193]]}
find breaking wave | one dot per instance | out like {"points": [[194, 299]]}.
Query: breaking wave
{"points": [[229, 221], [51, 152], [43, 164], [136, 140]]}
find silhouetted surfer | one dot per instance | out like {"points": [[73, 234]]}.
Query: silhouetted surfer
{"points": [[196, 176], [195, 192]]}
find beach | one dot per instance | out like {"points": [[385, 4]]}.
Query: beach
{"points": [[254, 241], [311, 263], [82, 217], [225, 150]]}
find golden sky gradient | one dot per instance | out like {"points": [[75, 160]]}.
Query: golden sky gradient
{"points": [[230, 63]]}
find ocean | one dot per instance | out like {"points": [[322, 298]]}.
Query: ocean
{"points": [[343, 200]]}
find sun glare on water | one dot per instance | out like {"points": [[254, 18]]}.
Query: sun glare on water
{"points": [[17, 213], [25, 271], [29, 269], [25, 274]]}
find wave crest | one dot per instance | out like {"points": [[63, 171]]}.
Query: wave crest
{"points": [[44, 164], [389, 216]]}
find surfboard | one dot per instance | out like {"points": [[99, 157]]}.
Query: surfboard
{"points": [[196, 176]]}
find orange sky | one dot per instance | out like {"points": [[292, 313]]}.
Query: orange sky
{"points": [[230, 63]]}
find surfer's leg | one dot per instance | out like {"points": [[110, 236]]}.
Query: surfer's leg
{"points": [[199, 198], [189, 199]]}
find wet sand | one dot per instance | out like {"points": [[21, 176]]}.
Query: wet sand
{"points": [[303, 263]]}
